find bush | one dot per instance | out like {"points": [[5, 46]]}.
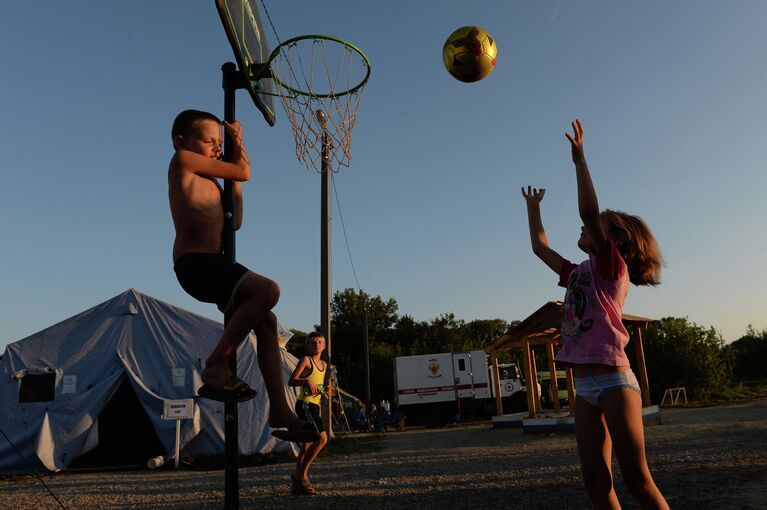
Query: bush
{"points": [[680, 353], [747, 356]]}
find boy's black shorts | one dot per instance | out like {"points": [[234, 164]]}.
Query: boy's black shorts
{"points": [[209, 277], [310, 413]]}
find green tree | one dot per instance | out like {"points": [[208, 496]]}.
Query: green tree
{"points": [[408, 334], [348, 309], [681, 353], [382, 377], [296, 345], [512, 356], [443, 335], [481, 332], [747, 356]]}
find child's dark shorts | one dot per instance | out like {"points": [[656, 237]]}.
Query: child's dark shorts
{"points": [[209, 277], [310, 413]]}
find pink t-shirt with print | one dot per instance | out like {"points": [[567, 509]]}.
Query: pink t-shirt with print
{"points": [[592, 329]]}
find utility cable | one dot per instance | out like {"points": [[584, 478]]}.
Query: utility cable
{"points": [[343, 227], [268, 17], [32, 469]]}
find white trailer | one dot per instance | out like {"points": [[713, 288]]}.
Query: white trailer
{"points": [[432, 389]]}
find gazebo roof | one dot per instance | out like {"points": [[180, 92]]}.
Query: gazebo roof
{"points": [[542, 327]]}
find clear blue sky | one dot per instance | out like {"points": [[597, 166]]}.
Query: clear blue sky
{"points": [[671, 95]]}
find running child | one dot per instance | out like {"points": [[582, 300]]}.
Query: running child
{"points": [[608, 406], [309, 377], [203, 271]]}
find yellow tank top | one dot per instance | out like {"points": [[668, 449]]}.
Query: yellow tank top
{"points": [[316, 376]]}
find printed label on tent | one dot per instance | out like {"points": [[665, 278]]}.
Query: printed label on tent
{"points": [[68, 384], [178, 409], [179, 376]]}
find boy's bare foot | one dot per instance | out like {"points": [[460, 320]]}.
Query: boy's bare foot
{"points": [[216, 375], [222, 385], [281, 417], [297, 431]]}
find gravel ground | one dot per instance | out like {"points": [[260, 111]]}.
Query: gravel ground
{"points": [[704, 458]]}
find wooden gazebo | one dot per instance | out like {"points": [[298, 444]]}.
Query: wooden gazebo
{"points": [[541, 329]]}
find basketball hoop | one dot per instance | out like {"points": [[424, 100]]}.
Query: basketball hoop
{"points": [[320, 80]]}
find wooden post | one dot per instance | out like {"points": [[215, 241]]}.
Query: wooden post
{"points": [[553, 374], [534, 371], [570, 391], [325, 298], [529, 377], [497, 384], [366, 347], [644, 382]]}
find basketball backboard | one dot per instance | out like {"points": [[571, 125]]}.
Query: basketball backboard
{"points": [[246, 35]]}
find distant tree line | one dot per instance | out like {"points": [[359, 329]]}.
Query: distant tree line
{"points": [[678, 352]]}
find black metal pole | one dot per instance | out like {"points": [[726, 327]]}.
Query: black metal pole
{"points": [[231, 439]]}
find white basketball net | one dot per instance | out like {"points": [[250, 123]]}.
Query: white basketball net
{"points": [[313, 75]]}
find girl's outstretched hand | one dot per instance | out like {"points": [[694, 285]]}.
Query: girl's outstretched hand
{"points": [[576, 141], [533, 196]]}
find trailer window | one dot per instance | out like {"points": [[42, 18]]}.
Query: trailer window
{"points": [[462, 365], [509, 373], [37, 388]]}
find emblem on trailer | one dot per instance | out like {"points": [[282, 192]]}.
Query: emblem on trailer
{"points": [[433, 367]]}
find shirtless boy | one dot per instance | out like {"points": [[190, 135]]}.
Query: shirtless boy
{"points": [[202, 269]]}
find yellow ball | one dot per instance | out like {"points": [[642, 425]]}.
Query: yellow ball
{"points": [[469, 54]]}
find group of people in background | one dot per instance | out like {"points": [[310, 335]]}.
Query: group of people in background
{"points": [[380, 418]]}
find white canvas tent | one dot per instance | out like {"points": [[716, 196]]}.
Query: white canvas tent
{"points": [[82, 384]]}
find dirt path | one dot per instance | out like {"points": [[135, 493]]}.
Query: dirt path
{"points": [[703, 458]]}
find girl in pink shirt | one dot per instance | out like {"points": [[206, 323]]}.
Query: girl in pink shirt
{"points": [[608, 406]]}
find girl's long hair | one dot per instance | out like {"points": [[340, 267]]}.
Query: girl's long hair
{"points": [[636, 244]]}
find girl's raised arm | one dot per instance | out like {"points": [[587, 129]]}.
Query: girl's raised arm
{"points": [[588, 205], [538, 239]]}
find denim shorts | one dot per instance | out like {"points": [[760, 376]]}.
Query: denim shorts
{"points": [[594, 387]]}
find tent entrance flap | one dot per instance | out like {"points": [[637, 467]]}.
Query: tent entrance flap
{"points": [[126, 435]]}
